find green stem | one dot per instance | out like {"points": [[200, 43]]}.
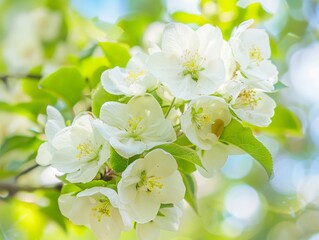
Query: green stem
{"points": [[170, 107]]}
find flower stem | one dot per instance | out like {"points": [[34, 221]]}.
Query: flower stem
{"points": [[170, 107]]}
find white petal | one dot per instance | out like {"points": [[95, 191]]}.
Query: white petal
{"points": [[109, 80], [74, 208], [213, 159], [171, 219], [85, 174], [127, 147], [178, 37], [210, 41], [114, 114], [159, 163], [173, 189], [44, 156], [144, 208]]}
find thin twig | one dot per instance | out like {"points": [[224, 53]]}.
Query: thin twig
{"points": [[12, 189], [5, 78], [26, 171]]}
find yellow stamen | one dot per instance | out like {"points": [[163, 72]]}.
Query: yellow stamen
{"points": [[192, 64], [134, 75], [103, 208], [255, 54]]}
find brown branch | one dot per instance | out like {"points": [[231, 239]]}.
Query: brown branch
{"points": [[12, 189], [35, 77]]}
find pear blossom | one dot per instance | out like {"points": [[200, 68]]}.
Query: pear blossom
{"points": [[204, 120], [167, 219], [55, 123], [133, 80], [136, 126], [149, 182], [189, 62], [79, 150], [99, 208], [251, 50]]}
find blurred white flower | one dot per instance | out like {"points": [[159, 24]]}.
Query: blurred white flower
{"points": [[136, 126], [167, 219], [79, 150], [33, 27], [99, 208], [149, 182], [47, 23], [189, 62], [303, 72], [270, 6], [55, 123], [133, 80], [204, 120]]}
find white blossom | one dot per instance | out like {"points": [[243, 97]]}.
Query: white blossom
{"points": [[167, 219], [55, 123], [136, 126], [204, 120], [189, 64], [99, 208], [252, 51], [79, 150], [251, 104], [149, 182], [133, 80]]}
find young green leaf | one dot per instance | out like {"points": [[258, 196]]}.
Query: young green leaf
{"points": [[117, 53], [185, 156], [117, 162], [243, 138], [284, 123], [66, 83], [99, 97], [190, 195]]}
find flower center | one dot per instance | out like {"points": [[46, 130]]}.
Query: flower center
{"points": [[192, 64], [201, 118], [86, 151], [134, 75], [134, 126], [102, 208], [247, 98], [255, 54], [149, 184]]}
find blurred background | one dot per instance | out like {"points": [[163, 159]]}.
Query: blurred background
{"points": [[239, 202]]}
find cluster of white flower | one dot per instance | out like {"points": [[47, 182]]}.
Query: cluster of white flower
{"points": [[193, 85]]}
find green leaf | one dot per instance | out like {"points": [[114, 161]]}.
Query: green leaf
{"points": [[18, 142], [117, 53], [189, 18], [185, 156], [70, 188], [190, 195], [100, 96], [117, 162], [183, 141], [284, 123], [66, 83], [243, 138]]}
